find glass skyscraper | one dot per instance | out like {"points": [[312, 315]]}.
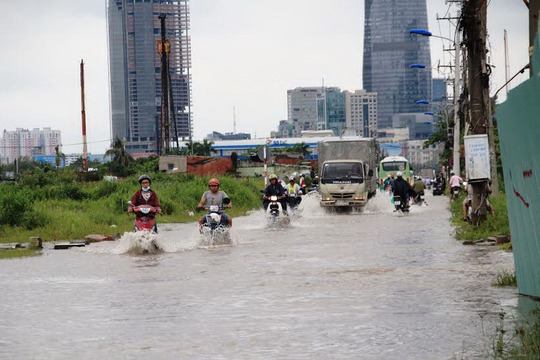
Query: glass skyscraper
{"points": [[389, 50], [134, 30]]}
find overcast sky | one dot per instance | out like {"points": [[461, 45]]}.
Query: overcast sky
{"points": [[246, 54]]}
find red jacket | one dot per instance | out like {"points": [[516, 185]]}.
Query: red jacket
{"points": [[137, 199]]}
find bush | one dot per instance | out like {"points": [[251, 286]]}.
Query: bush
{"points": [[33, 219], [12, 208], [36, 178], [74, 192], [104, 189]]}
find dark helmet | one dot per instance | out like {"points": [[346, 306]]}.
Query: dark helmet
{"points": [[144, 177]]}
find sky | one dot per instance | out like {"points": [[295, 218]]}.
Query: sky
{"points": [[246, 54]]}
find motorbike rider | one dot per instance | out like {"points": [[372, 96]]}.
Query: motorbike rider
{"points": [[145, 196], [402, 188], [388, 182], [275, 188], [302, 184], [454, 182], [419, 186], [214, 196], [294, 192]]}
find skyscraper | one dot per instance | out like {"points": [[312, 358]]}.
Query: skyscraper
{"points": [[389, 50], [134, 31]]}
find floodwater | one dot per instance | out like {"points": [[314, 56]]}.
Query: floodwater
{"points": [[327, 286]]}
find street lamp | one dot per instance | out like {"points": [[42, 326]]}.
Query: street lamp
{"points": [[457, 84]]}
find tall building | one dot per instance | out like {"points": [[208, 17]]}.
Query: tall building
{"points": [[389, 50], [329, 108], [134, 29], [439, 90], [24, 143], [315, 108], [361, 113]]}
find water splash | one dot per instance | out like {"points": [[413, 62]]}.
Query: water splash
{"points": [[139, 243]]}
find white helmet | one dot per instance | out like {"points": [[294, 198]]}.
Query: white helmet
{"points": [[399, 174], [292, 178]]}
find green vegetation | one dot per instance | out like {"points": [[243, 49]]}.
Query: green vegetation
{"points": [[493, 226], [59, 205], [505, 278], [18, 253], [523, 343]]}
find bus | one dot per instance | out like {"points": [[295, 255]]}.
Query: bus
{"points": [[393, 164]]}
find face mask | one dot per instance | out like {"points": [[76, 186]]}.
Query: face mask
{"points": [[146, 188]]}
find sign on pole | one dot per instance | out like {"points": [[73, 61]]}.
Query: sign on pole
{"points": [[477, 158]]}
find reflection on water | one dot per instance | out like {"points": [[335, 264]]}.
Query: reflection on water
{"points": [[327, 286]]}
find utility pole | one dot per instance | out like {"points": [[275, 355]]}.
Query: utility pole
{"points": [[534, 8], [83, 120], [457, 91], [163, 51], [475, 28]]}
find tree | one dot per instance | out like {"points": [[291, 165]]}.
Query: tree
{"points": [[302, 148], [121, 160], [442, 136], [118, 153], [201, 149], [59, 156]]}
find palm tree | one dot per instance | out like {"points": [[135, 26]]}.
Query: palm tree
{"points": [[207, 148], [301, 148], [201, 149], [118, 153], [59, 156]]}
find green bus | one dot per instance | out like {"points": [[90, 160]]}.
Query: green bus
{"points": [[393, 164]]}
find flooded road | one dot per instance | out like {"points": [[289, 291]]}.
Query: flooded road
{"points": [[328, 286]]}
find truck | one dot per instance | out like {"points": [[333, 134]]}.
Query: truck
{"points": [[347, 169]]}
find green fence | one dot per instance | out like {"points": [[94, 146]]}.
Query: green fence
{"points": [[519, 134]]}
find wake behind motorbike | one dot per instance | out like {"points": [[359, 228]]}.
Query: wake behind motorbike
{"points": [[215, 229], [145, 224]]}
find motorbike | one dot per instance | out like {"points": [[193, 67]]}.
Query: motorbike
{"points": [[456, 190], [146, 225], [419, 199], [215, 229], [400, 204], [275, 213], [293, 200], [438, 189], [145, 222]]}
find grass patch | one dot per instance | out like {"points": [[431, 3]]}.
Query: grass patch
{"points": [[523, 343], [505, 278], [493, 226], [101, 208], [18, 253]]}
